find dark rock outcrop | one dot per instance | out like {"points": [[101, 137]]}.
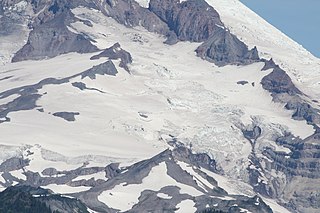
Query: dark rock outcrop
{"points": [[116, 52], [131, 14], [192, 20], [242, 82], [252, 134], [29, 199], [304, 158], [224, 48], [304, 111], [82, 86], [13, 164], [291, 171], [50, 36], [269, 64], [106, 68], [278, 81], [68, 116], [52, 39]]}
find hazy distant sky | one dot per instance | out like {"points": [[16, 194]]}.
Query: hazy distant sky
{"points": [[299, 19]]}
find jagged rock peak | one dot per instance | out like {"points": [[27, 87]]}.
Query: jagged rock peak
{"points": [[224, 48], [278, 81], [269, 64]]}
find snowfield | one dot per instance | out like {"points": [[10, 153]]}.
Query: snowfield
{"points": [[249, 27], [168, 94], [186, 97]]}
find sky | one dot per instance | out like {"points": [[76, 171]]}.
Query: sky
{"points": [[299, 19]]}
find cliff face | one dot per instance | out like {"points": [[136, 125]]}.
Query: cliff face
{"points": [[50, 35]]}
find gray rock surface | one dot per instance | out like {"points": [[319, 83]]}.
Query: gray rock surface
{"points": [[48, 21], [29, 199], [13, 164], [223, 48], [106, 68], [301, 169], [131, 14], [116, 52], [192, 20], [82, 86], [269, 64], [278, 81], [68, 116], [51, 39], [242, 82], [304, 111], [148, 199]]}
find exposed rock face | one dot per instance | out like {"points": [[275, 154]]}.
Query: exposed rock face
{"points": [[269, 64], [13, 164], [68, 116], [52, 39], [278, 81], [297, 171], [50, 36], [106, 68], [197, 21], [304, 111], [192, 20], [223, 48], [131, 14], [82, 86], [209, 193], [116, 52]]}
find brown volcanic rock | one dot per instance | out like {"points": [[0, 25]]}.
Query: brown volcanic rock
{"points": [[53, 38], [131, 14], [224, 48], [278, 81], [193, 20]]}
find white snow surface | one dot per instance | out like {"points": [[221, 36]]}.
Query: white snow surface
{"points": [[186, 206], [249, 27], [164, 196], [143, 3], [97, 176], [65, 189], [181, 95], [202, 182]]}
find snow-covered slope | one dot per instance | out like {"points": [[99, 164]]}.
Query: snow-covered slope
{"points": [[77, 126], [300, 64]]}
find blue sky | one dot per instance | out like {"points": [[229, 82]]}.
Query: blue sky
{"points": [[299, 19]]}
